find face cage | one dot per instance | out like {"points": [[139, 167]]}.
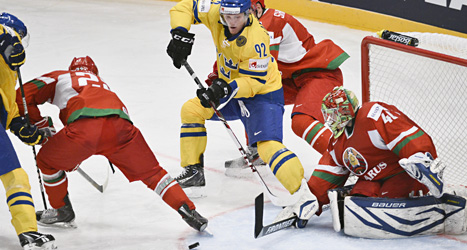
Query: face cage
{"points": [[25, 40], [225, 22], [336, 119]]}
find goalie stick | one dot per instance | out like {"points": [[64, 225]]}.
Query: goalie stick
{"points": [[261, 230], [274, 199]]}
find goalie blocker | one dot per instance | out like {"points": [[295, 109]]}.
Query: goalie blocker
{"points": [[384, 218]]}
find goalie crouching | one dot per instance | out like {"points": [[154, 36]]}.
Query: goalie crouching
{"points": [[399, 191]]}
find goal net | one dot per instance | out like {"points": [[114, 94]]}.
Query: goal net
{"points": [[429, 84]]}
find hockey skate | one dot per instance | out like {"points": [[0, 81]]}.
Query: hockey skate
{"points": [[63, 217], [192, 180], [36, 240], [239, 167], [193, 218], [303, 209]]}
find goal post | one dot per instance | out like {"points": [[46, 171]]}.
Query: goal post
{"points": [[430, 87]]}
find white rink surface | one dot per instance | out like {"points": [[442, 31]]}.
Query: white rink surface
{"points": [[127, 40]]}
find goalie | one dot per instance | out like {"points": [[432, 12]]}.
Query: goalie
{"points": [[394, 160]]}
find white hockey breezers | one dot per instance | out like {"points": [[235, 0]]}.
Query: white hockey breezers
{"points": [[384, 218]]}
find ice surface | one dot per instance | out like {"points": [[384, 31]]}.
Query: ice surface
{"points": [[127, 39]]}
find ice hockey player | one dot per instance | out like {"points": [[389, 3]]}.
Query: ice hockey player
{"points": [[249, 88], [96, 123], [13, 33], [394, 160], [309, 71]]}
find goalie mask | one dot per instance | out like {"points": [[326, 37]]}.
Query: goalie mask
{"points": [[234, 7], [338, 108], [83, 64]]}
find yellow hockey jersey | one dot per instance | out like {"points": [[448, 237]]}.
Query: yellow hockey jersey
{"points": [[243, 60], [9, 108]]}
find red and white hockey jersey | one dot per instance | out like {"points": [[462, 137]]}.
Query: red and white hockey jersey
{"points": [[291, 43], [381, 136], [77, 94]]}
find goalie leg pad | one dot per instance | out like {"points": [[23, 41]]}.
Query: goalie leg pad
{"points": [[456, 215], [336, 198], [384, 218]]}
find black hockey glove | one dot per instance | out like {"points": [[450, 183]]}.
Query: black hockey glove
{"points": [[180, 46], [27, 133], [12, 51], [219, 89]]}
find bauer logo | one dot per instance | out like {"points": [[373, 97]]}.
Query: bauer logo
{"points": [[389, 204], [258, 64]]}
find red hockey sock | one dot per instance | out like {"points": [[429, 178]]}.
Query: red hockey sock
{"points": [[168, 189]]}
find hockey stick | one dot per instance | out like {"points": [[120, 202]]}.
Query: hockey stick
{"points": [[26, 115], [101, 188], [274, 199], [261, 230]]}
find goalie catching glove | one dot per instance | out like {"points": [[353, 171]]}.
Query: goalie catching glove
{"points": [[427, 171], [26, 132], [219, 89]]}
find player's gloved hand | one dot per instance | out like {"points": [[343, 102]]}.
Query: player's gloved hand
{"points": [[219, 89], [12, 51], [46, 126], [212, 76], [28, 134], [426, 170], [180, 46]]}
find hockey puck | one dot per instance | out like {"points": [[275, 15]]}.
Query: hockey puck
{"points": [[193, 245]]}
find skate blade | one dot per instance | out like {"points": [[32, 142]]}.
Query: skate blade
{"points": [[207, 232], [195, 192], [66, 225], [46, 246]]}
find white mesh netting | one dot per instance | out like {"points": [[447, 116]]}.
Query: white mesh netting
{"points": [[430, 91]]}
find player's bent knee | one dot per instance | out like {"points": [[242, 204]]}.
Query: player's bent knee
{"points": [[193, 112], [284, 164]]}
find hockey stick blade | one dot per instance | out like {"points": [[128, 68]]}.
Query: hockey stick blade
{"points": [[90, 180], [261, 230]]}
